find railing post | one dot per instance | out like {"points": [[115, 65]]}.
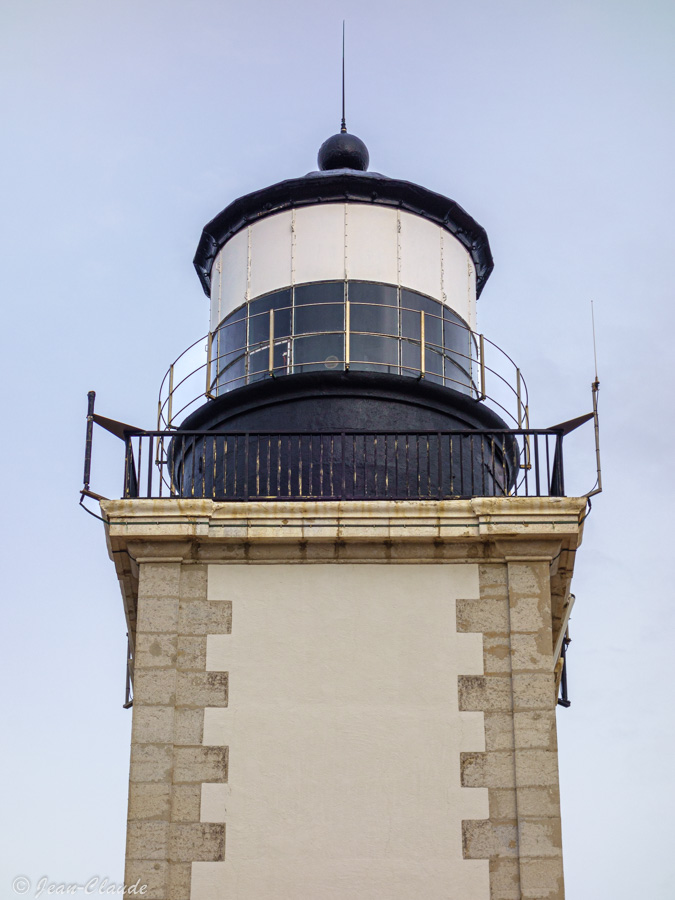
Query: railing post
{"points": [[557, 488], [481, 353], [527, 426], [423, 346], [170, 410], [209, 351], [347, 334], [149, 464], [523, 421], [270, 362], [518, 401], [128, 457]]}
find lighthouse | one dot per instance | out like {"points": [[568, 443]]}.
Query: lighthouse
{"points": [[345, 560]]}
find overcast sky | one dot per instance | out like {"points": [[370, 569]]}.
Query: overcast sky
{"points": [[126, 127]]}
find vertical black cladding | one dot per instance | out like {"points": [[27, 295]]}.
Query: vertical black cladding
{"points": [[342, 465]]}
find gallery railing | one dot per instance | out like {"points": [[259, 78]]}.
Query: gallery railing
{"points": [[252, 349], [343, 465]]}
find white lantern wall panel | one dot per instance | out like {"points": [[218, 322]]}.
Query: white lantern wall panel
{"points": [[338, 241], [371, 243], [319, 245], [234, 267], [271, 258], [458, 277], [420, 257]]}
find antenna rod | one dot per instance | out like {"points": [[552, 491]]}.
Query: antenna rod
{"points": [[595, 387], [343, 124], [595, 352]]}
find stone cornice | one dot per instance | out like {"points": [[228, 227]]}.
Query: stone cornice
{"points": [[502, 519]]}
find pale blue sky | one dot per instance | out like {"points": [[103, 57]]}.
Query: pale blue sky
{"points": [[127, 126]]}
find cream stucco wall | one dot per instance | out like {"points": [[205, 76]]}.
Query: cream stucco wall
{"points": [[344, 734]]}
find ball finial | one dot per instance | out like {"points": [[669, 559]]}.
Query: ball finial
{"points": [[343, 151]]}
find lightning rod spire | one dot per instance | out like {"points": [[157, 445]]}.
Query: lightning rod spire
{"points": [[343, 124]]}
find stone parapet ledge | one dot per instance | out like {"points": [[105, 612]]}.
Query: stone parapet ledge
{"points": [[369, 520]]}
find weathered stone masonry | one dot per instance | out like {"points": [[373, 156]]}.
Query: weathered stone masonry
{"points": [[517, 692], [169, 764]]}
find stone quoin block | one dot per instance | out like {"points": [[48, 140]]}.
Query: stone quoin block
{"points": [[490, 616], [154, 687], [155, 650], [193, 581], [539, 801], [201, 689], [152, 724], [179, 881], [185, 800], [198, 841], [505, 879], [496, 654], [498, 731], [540, 837], [151, 762], [150, 801], [536, 768], [492, 769], [533, 691], [157, 615], [147, 840], [484, 693], [484, 839], [531, 652], [191, 652], [152, 873], [188, 726], [159, 580], [542, 879], [199, 764], [536, 729], [504, 804], [204, 617]]}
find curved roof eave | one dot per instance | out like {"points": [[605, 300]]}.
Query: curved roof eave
{"points": [[338, 186]]}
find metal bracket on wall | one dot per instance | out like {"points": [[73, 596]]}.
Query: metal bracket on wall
{"points": [[564, 700], [128, 691]]}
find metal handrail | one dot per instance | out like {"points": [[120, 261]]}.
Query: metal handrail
{"points": [[175, 381]]}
